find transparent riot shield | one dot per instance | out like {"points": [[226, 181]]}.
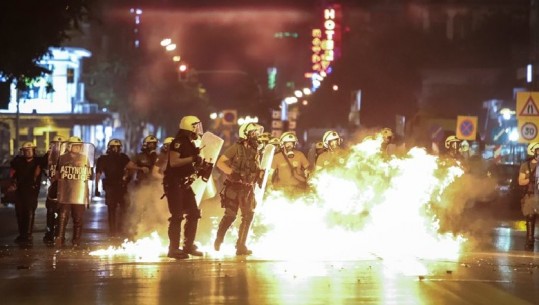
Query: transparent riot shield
{"points": [[52, 160], [74, 170], [265, 164], [209, 151]]}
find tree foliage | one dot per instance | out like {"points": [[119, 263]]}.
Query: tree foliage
{"points": [[29, 28]]}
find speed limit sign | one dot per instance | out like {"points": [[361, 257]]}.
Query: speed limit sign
{"points": [[528, 130]]}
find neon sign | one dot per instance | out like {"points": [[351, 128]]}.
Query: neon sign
{"points": [[325, 45]]}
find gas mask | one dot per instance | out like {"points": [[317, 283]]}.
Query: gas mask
{"points": [[253, 141], [333, 144], [288, 149]]}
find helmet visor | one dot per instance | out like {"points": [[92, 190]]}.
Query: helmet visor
{"points": [[197, 128]]}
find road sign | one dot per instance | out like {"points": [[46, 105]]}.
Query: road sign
{"points": [[466, 127], [230, 116], [528, 130], [527, 104]]}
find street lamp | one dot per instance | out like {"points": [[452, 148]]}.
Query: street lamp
{"points": [[165, 42]]}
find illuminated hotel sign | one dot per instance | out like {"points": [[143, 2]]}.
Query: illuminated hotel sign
{"points": [[325, 45]]}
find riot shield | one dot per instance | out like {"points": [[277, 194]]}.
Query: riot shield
{"points": [[74, 170], [265, 164], [52, 160], [209, 151]]}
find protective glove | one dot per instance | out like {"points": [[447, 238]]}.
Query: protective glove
{"points": [[197, 160]]}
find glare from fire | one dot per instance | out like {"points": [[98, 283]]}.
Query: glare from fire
{"points": [[146, 249], [369, 205]]}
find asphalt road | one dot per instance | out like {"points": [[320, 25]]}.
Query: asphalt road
{"points": [[495, 271]]}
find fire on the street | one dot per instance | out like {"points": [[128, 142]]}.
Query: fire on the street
{"points": [[366, 207]]}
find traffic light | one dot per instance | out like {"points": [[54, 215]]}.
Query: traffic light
{"points": [[4, 95]]}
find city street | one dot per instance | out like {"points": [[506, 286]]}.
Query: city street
{"points": [[496, 272]]}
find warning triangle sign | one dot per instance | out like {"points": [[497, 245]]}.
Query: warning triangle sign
{"points": [[530, 108]]}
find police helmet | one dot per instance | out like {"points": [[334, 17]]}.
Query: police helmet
{"points": [[532, 147], [264, 137], [387, 134], [247, 128], [28, 145], [288, 137], [57, 139], [191, 123], [451, 139], [114, 142], [329, 136], [74, 140], [274, 141]]}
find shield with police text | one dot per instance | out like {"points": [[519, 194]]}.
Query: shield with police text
{"points": [[52, 160], [265, 164], [75, 170], [209, 151]]}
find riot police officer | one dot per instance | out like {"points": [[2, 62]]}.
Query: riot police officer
{"points": [[180, 172], [114, 164], [387, 139], [332, 154], [240, 162], [26, 175], [145, 160], [452, 144], [50, 159], [73, 172], [527, 178], [291, 167]]}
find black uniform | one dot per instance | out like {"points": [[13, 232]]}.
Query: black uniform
{"points": [[27, 178], [180, 196], [115, 186], [51, 203]]}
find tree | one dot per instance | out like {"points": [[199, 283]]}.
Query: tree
{"points": [[29, 29]]}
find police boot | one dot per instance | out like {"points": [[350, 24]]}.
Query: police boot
{"points": [[29, 227], [241, 248], [63, 217], [225, 223], [189, 246], [77, 232], [77, 229], [49, 234], [530, 233], [174, 231]]}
